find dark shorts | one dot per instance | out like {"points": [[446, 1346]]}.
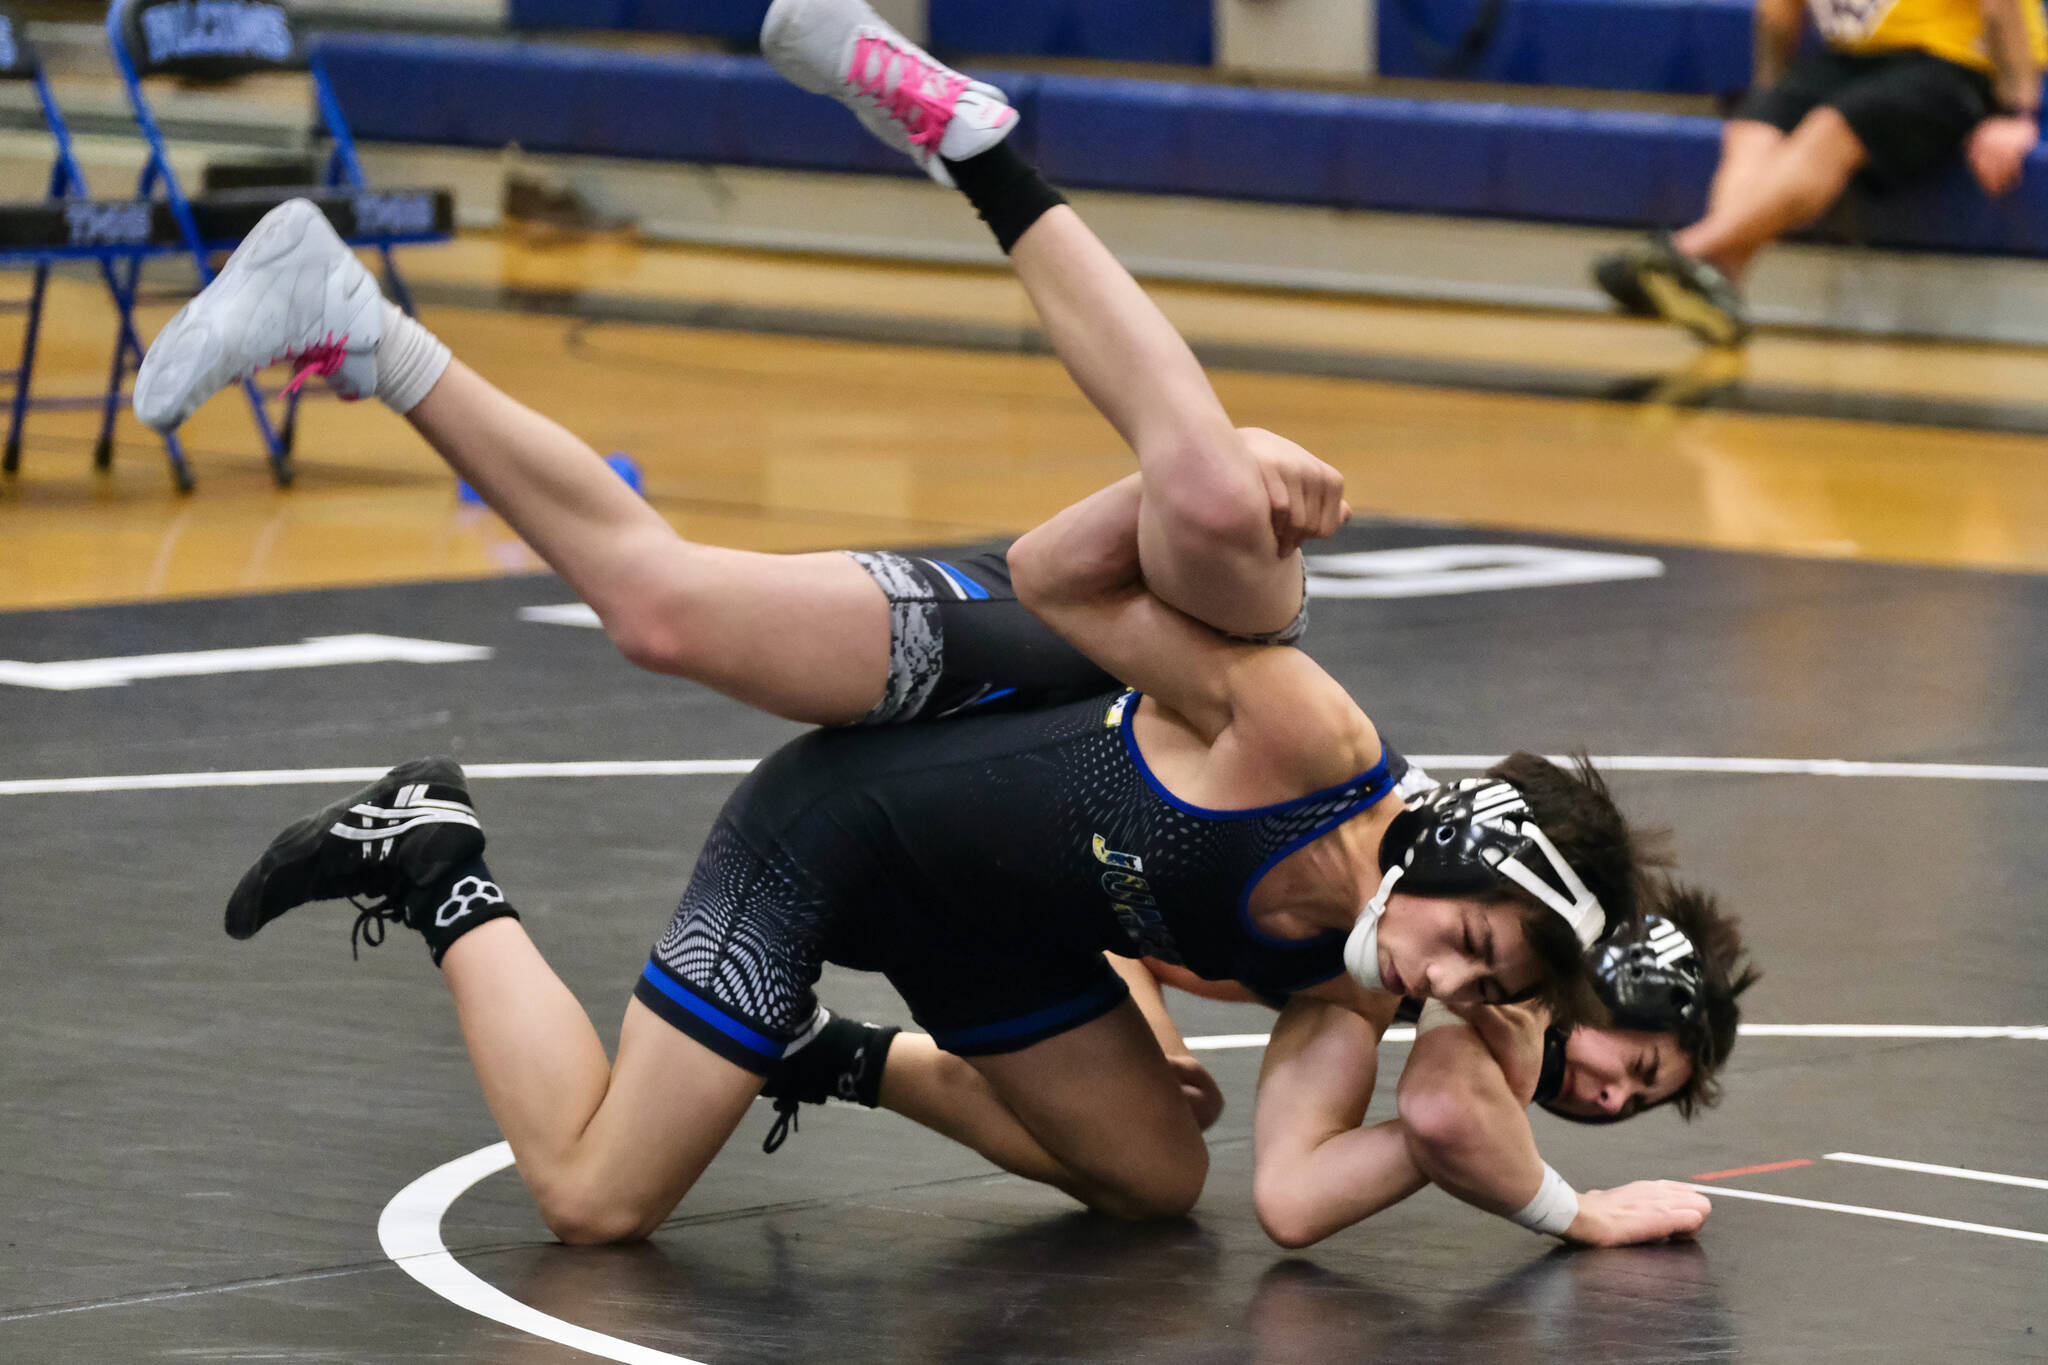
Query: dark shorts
{"points": [[1910, 110], [736, 967]]}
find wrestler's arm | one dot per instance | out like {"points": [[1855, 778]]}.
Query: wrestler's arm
{"points": [[1197, 1086], [1317, 1169], [1468, 1131], [1080, 572], [1213, 544]]}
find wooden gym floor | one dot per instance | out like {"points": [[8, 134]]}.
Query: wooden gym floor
{"points": [[785, 428]]}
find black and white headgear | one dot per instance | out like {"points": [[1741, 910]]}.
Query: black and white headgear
{"points": [[1651, 978], [1465, 839]]}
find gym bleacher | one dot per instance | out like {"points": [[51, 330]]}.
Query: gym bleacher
{"points": [[1550, 162]]}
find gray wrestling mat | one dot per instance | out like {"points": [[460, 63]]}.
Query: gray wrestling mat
{"points": [[200, 1138]]}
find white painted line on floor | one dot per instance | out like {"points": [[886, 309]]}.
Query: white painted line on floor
{"points": [[693, 767], [1764, 767], [321, 651], [1890, 1215], [1445, 570], [292, 777], [1404, 1033], [1222, 1042], [410, 1231], [2025, 1032], [564, 614], [1923, 1168]]}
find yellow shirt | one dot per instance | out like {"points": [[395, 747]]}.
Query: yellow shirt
{"points": [[1950, 29]]}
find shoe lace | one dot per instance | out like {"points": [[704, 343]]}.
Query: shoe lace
{"points": [[785, 1123], [323, 358], [922, 106], [373, 918]]}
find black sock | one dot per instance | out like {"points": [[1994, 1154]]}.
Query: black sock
{"points": [[456, 904], [1008, 194]]}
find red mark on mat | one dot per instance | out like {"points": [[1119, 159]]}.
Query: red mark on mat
{"points": [[1754, 1170]]}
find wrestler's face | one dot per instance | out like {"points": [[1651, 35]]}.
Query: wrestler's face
{"points": [[1459, 951], [1611, 1072]]}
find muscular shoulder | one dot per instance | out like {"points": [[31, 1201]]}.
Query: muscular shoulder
{"points": [[1299, 719]]}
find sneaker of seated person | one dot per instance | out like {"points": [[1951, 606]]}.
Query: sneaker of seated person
{"points": [[1692, 293], [1615, 273]]}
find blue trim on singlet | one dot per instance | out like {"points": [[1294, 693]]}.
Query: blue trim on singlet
{"points": [[960, 580], [993, 696], [1050, 1017], [1376, 774], [1377, 784], [711, 1014]]}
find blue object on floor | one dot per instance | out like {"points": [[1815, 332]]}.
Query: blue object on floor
{"points": [[621, 464], [627, 468]]}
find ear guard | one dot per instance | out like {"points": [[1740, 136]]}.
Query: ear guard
{"points": [[1467, 838], [1649, 979]]}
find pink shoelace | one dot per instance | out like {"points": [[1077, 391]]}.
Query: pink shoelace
{"points": [[323, 358], [923, 112]]}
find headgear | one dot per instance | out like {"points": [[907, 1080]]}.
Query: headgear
{"points": [[1650, 979], [1465, 839]]}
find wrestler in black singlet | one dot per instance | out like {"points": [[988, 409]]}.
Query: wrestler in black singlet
{"points": [[984, 865]]}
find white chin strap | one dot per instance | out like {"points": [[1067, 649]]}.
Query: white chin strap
{"points": [[1362, 948]]}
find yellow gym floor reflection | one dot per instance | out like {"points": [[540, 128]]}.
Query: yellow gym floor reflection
{"points": [[786, 443]]}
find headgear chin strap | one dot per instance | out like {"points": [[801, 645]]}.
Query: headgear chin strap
{"points": [[1465, 839], [1362, 947]]}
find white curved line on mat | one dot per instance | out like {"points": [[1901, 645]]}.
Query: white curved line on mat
{"points": [[410, 1231], [697, 767]]}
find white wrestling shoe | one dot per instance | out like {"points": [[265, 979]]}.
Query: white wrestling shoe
{"points": [[904, 95], [292, 291]]}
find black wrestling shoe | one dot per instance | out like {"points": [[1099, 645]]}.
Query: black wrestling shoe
{"points": [[407, 831], [836, 1059], [1693, 294], [1615, 273]]}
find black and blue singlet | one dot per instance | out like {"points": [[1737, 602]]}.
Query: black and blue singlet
{"points": [[984, 865]]}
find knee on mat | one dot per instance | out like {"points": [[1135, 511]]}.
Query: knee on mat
{"points": [[590, 1218], [1168, 1190]]}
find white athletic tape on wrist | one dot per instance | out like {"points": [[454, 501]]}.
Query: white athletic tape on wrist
{"points": [[1553, 1209]]}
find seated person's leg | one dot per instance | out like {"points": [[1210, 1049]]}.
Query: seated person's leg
{"points": [[1689, 279]]}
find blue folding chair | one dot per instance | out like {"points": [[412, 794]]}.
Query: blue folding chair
{"points": [[67, 226], [220, 40]]}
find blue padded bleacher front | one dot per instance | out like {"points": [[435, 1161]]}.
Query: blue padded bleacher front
{"points": [[1690, 47], [587, 101], [1114, 30], [1126, 31], [1431, 156], [711, 18]]}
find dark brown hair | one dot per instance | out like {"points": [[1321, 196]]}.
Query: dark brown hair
{"points": [[1578, 814]]}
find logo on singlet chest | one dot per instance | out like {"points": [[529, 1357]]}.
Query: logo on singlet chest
{"points": [[1132, 902]]}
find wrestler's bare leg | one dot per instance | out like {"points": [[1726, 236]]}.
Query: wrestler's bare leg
{"points": [[803, 636]]}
